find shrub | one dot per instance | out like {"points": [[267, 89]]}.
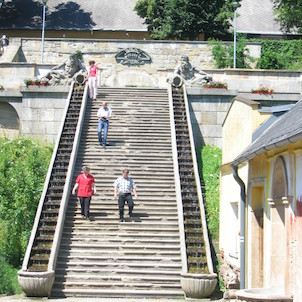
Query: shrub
{"points": [[224, 54], [8, 279], [282, 54], [216, 84], [211, 158], [23, 167], [79, 55]]}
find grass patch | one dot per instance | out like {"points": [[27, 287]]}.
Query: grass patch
{"points": [[211, 158]]}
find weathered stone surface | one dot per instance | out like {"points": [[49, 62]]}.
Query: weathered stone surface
{"points": [[36, 284], [198, 285]]}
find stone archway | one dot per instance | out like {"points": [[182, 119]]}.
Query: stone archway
{"points": [[279, 277], [9, 120]]}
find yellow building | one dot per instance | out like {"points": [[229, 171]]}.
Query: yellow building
{"points": [[261, 198]]}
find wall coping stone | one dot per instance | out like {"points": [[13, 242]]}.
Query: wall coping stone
{"points": [[271, 97], [43, 89], [196, 91], [10, 93]]}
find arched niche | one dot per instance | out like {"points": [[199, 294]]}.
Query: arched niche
{"points": [[279, 183], [9, 120], [279, 204]]}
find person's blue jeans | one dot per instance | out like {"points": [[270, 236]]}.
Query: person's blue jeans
{"points": [[103, 125]]}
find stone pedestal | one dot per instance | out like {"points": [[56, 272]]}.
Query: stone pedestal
{"points": [[36, 284], [198, 286]]}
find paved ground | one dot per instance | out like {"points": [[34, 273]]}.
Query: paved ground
{"points": [[22, 298]]}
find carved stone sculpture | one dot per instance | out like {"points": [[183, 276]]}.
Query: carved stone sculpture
{"points": [[132, 56], [187, 74], [63, 74]]}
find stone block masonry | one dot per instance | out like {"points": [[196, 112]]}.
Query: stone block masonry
{"points": [[42, 111], [207, 111]]}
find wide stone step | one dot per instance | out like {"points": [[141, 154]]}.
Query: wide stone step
{"points": [[109, 252], [87, 278], [96, 284], [134, 230], [99, 264], [98, 239], [151, 246], [117, 293], [121, 272]]}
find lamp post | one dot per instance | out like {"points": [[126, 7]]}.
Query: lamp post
{"points": [[235, 5], [43, 27]]}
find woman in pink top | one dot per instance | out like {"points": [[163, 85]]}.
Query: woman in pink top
{"points": [[92, 80]]}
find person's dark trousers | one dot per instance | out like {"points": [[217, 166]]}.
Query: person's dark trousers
{"points": [[121, 203], [85, 205]]}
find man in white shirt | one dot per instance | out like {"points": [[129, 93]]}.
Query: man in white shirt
{"points": [[104, 115], [123, 187]]}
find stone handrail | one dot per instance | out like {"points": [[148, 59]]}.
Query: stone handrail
{"points": [[194, 285], [198, 185], [42, 198], [68, 184], [177, 186], [40, 283]]}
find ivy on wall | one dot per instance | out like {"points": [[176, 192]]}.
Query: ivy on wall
{"points": [[275, 54]]}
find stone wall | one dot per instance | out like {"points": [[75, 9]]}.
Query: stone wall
{"points": [[165, 55], [42, 112], [208, 108]]}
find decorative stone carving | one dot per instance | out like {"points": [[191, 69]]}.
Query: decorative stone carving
{"points": [[190, 75], [198, 286], [63, 74], [132, 56]]}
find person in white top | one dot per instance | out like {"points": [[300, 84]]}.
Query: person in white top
{"points": [[104, 115], [123, 188]]}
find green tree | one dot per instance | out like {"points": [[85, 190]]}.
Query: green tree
{"points": [[223, 53], [23, 167], [185, 19], [289, 14]]}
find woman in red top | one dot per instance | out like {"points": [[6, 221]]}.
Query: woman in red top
{"points": [[85, 185], [92, 80]]}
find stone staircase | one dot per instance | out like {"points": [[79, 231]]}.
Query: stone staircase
{"points": [[140, 257]]}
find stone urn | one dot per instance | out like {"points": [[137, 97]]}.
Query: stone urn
{"points": [[198, 286], [36, 284]]}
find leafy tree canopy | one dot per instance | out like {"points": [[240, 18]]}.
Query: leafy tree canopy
{"points": [[289, 14], [186, 19]]}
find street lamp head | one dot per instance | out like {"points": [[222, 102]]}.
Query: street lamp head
{"points": [[44, 2], [235, 5]]}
